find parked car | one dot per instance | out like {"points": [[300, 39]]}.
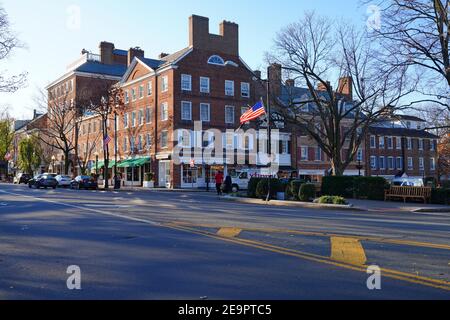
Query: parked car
{"points": [[63, 181], [22, 178], [43, 181], [84, 182]]}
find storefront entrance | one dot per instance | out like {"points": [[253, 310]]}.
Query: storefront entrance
{"points": [[164, 174], [190, 177]]}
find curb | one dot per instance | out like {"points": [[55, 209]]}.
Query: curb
{"points": [[281, 203], [432, 210]]}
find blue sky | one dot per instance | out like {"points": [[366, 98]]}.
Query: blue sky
{"points": [[54, 39]]}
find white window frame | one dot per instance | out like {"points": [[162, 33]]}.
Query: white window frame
{"points": [[234, 118], [391, 163], [318, 155], [245, 93], [432, 145], [186, 79], [133, 94], [409, 143], [133, 119], [209, 112], [164, 111], [421, 163], [229, 92], [148, 115], [410, 163], [126, 121], [164, 83], [141, 117], [421, 144], [399, 163], [391, 140], [398, 143], [373, 162], [149, 88], [165, 132], [183, 105], [383, 166], [382, 142], [127, 97], [141, 91], [304, 153], [432, 164], [202, 89], [374, 140]]}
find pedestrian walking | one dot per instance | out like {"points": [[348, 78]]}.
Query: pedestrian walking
{"points": [[219, 181]]}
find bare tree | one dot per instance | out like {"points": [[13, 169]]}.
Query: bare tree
{"points": [[8, 42], [314, 50], [87, 150], [416, 34]]}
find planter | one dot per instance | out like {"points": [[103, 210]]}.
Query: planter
{"points": [[149, 184]]}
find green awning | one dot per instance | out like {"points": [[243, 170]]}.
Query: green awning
{"points": [[101, 164], [134, 162]]}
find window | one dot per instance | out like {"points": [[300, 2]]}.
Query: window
{"points": [[432, 164], [391, 164], [410, 163], [359, 155], [184, 138], [127, 97], [149, 88], [164, 112], [245, 89], [432, 145], [284, 147], [420, 144], [217, 60], [398, 143], [409, 143], [204, 85], [186, 82], [141, 117], [186, 110], [373, 162], [399, 163], [132, 144], [133, 119], [408, 124], [382, 145], [390, 143], [373, 142], [140, 143], [148, 115], [318, 154], [229, 88], [133, 94], [419, 127], [125, 120], [125, 142], [141, 92], [304, 154], [421, 164], [382, 163], [205, 112], [229, 114], [148, 141], [164, 139], [165, 84]]}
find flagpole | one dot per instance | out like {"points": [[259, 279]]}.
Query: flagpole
{"points": [[269, 132]]}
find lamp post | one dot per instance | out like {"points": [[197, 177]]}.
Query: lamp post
{"points": [[359, 167], [96, 163], [53, 164]]}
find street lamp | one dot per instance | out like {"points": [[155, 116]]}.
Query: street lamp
{"points": [[359, 167], [53, 164], [96, 163]]}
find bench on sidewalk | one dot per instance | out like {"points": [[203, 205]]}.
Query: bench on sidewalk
{"points": [[408, 192]]}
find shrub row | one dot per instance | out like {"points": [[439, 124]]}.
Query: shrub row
{"points": [[440, 196], [332, 200], [371, 188]]}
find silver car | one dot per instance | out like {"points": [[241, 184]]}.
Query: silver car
{"points": [[63, 181]]}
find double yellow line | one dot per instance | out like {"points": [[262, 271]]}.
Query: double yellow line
{"points": [[347, 253]]}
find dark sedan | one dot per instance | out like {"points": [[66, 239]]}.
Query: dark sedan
{"points": [[43, 181], [84, 182]]}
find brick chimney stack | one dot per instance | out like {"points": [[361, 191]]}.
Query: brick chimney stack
{"points": [[275, 78], [134, 52], [322, 87], [106, 52], [290, 83], [346, 86]]}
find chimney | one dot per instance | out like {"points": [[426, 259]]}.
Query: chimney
{"points": [[198, 30], [290, 82], [162, 55], [321, 86], [106, 52], [257, 73], [346, 86], [230, 37], [274, 74], [134, 52]]}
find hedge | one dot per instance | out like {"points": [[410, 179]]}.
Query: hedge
{"points": [[295, 188], [440, 196], [338, 186], [445, 184], [371, 188], [307, 192], [262, 189], [251, 189], [332, 200]]}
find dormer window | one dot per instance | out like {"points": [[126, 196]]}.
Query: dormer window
{"points": [[216, 60]]}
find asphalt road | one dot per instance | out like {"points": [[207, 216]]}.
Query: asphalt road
{"points": [[163, 245]]}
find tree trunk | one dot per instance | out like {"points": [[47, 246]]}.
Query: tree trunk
{"points": [[337, 167], [66, 163]]}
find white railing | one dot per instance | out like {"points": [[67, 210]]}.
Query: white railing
{"points": [[83, 59]]}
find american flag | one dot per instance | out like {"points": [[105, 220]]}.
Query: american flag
{"points": [[253, 113], [8, 156], [107, 140]]}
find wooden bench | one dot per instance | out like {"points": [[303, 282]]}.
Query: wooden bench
{"points": [[408, 192]]}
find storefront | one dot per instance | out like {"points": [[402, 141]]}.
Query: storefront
{"points": [[133, 170]]}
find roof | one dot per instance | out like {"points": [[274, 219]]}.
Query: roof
{"points": [[120, 52], [174, 56], [116, 70], [402, 132], [152, 63], [407, 117]]}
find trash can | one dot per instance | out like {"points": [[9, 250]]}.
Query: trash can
{"points": [[117, 183]]}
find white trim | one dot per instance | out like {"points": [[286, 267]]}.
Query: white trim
{"points": [[81, 74]]}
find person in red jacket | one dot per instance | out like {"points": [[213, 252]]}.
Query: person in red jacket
{"points": [[219, 181]]}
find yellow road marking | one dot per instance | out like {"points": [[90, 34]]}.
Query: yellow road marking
{"points": [[229, 232], [347, 250], [398, 275]]}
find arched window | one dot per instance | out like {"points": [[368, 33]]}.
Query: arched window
{"points": [[217, 60]]}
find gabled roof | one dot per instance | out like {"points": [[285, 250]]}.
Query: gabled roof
{"points": [[175, 57], [407, 118], [404, 132], [120, 52], [116, 70]]}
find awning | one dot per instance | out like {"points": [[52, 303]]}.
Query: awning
{"points": [[137, 162], [101, 164]]}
